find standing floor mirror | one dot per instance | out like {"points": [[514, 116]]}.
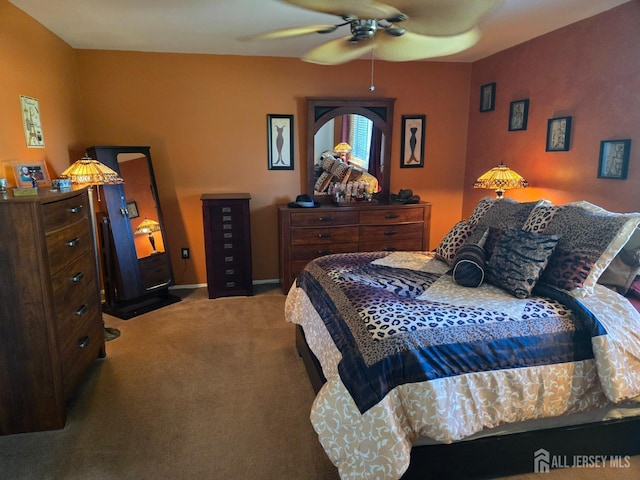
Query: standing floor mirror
{"points": [[135, 262]]}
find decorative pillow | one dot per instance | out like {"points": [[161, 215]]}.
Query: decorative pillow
{"points": [[518, 260], [591, 238], [453, 240], [481, 208], [486, 237], [540, 217], [507, 213], [468, 266]]}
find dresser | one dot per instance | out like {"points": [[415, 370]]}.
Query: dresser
{"points": [[308, 233], [51, 328], [227, 242]]}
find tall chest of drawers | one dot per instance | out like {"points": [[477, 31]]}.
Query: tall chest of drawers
{"points": [[308, 233], [227, 241], [51, 328]]}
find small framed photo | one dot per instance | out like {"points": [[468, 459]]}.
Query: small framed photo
{"points": [[614, 159], [27, 172], [413, 128], [487, 97], [132, 209], [558, 134], [518, 114], [280, 139]]}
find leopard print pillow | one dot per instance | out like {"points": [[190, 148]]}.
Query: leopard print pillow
{"points": [[482, 207], [540, 217], [453, 240]]}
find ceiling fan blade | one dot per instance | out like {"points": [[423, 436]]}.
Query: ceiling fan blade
{"points": [[292, 32], [442, 17], [338, 51], [412, 46], [348, 8]]}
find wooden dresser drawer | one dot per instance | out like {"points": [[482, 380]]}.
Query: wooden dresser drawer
{"points": [[72, 282], [391, 215], [68, 243], [326, 235], [64, 212], [76, 318], [391, 245], [309, 252], [155, 270], [80, 353], [381, 233], [319, 218]]}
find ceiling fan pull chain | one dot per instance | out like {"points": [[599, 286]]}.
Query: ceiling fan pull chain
{"points": [[372, 87]]}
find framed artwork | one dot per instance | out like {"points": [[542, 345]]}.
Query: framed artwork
{"points": [[31, 122], [280, 138], [132, 208], [487, 97], [412, 153], [26, 172], [518, 114], [558, 134], [614, 159]]}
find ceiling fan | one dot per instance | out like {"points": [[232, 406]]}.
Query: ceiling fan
{"points": [[397, 30]]}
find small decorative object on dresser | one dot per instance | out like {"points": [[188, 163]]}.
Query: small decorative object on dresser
{"points": [[227, 242], [51, 321], [307, 234]]}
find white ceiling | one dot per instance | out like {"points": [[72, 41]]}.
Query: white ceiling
{"points": [[217, 26]]}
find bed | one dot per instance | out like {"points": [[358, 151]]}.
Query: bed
{"points": [[497, 352]]}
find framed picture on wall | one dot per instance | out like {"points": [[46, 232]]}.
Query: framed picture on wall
{"points": [[487, 97], [412, 153], [132, 208], [280, 139], [518, 114], [558, 134], [31, 122], [614, 159]]}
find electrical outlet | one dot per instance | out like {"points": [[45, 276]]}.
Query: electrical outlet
{"points": [[185, 253]]}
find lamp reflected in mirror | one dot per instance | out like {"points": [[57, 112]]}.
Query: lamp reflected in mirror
{"points": [[149, 227]]}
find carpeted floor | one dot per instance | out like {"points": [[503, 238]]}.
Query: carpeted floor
{"points": [[201, 389]]}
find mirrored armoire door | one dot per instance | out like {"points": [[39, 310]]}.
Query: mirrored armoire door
{"points": [[135, 262]]}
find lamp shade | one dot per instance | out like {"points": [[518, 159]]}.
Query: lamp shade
{"points": [[88, 171], [147, 226], [342, 147], [500, 178]]}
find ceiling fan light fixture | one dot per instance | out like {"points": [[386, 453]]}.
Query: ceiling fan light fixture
{"points": [[363, 29]]}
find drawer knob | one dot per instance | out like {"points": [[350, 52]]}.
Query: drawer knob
{"points": [[324, 235], [82, 310], [325, 219], [390, 249], [390, 232], [73, 243], [325, 252], [84, 342], [77, 277], [391, 215], [76, 209]]}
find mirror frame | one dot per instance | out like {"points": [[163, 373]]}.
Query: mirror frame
{"points": [[322, 109]]}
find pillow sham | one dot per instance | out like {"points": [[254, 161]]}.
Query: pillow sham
{"points": [[457, 236], [507, 213], [481, 208], [468, 266], [591, 237], [518, 260], [540, 217]]}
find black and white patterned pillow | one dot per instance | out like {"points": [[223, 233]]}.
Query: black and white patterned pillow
{"points": [[468, 266], [507, 213], [457, 237], [481, 208], [519, 259]]}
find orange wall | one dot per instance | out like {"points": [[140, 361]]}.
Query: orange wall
{"points": [[205, 118], [589, 70], [38, 64]]}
